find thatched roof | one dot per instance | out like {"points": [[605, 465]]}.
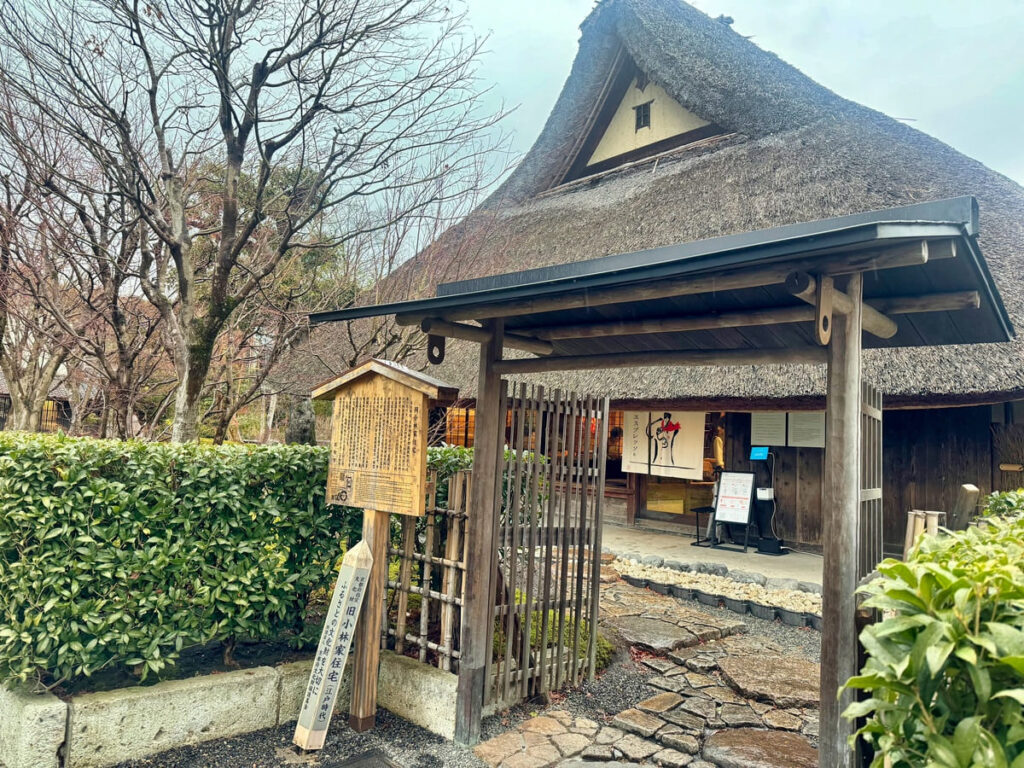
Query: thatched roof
{"points": [[795, 152]]}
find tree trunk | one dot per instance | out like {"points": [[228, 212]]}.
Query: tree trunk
{"points": [[268, 424], [188, 395], [301, 422]]}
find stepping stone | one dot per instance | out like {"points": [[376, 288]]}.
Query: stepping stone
{"points": [[702, 708], [685, 720], [609, 735], [783, 680], [671, 759], [493, 751], [636, 748], [549, 726], [674, 684], [660, 703], [782, 721], [653, 634], [683, 742], [739, 716], [601, 752], [537, 757], [751, 748], [635, 721], [570, 744], [658, 664], [723, 694], [702, 664]]}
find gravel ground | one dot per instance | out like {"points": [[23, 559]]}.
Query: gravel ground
{"points": [[405, 744], [624, 683], [619, 687]]}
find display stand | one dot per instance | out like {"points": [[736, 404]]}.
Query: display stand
{"points": [[733, 505]]}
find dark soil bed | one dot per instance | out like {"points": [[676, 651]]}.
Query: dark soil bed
{"points": [[201, 660]]}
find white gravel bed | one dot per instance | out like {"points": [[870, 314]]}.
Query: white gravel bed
{"points": [[789, 599]]}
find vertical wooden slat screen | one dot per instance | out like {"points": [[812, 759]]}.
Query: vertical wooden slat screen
{"points": [[439, 560], [547, 567], [869, 546]]}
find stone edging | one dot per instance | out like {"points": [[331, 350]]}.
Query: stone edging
{"points": [[741, 606], [95, 730]]}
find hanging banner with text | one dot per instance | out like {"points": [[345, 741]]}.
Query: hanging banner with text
{"points": [[665, 443], [332, 653]]}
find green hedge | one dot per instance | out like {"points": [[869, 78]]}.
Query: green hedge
{"points": [[125, 553], [945, 672]]}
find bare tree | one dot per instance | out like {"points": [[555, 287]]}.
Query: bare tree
{"points": [[34, 346], [97, 261], [321, 106]]}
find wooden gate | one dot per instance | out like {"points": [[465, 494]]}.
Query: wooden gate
{"points": [[869, 545], [546, 562]]}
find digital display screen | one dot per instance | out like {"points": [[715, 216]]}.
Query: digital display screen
{"points": [[759, 453]]}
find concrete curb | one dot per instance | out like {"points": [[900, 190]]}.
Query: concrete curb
{"points": [[32, 729], [719, 569], [95, 730]]}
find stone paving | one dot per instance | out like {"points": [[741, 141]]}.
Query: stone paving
{"points": [[725, 700]]}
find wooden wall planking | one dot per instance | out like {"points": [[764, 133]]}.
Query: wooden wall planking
{"points": [[927, 455], [809, 465]]}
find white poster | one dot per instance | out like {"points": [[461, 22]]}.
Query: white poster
{"points": [[807, 429], [734, 491], [665, 443], [768, 428]]}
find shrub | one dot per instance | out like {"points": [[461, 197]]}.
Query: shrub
{"points": [[1004, 504], [126, 553], [945, 671]]}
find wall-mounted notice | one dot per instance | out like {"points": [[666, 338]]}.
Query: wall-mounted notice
{"points": [[664, 443], [332, 653], [735, 490], [768, 428], [807, 429]]}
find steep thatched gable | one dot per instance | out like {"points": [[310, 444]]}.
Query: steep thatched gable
{"points": [[793, 151]]}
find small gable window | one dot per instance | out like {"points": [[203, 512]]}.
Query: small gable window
{"points": [[643, 115]]}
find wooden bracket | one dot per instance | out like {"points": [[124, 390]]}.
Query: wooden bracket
{"points": [[435, 349], [823, 310]]}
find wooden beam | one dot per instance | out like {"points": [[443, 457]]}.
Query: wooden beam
{"points": [[897, 305], [363, 708], [800, 355], [823, 309], [478, 598], [884, 258], [841, 515], [805, 287], [929, 302], [436, 327], [941, 249], [772, 316]]}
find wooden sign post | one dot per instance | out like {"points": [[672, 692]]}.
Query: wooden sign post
{"points": [[332, 653], [378, 463]]}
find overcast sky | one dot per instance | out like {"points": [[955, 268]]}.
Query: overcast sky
{"points": [[952, 68]]}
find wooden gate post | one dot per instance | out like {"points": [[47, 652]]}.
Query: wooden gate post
{"points": [[363, 712], [478, 601], [841, 491]]}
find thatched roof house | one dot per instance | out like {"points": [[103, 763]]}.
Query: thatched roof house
{"points": [[757, 144]]}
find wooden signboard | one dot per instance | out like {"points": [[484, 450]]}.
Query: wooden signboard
{"points": [[332, 653], [379, 436], [378, 462]]}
